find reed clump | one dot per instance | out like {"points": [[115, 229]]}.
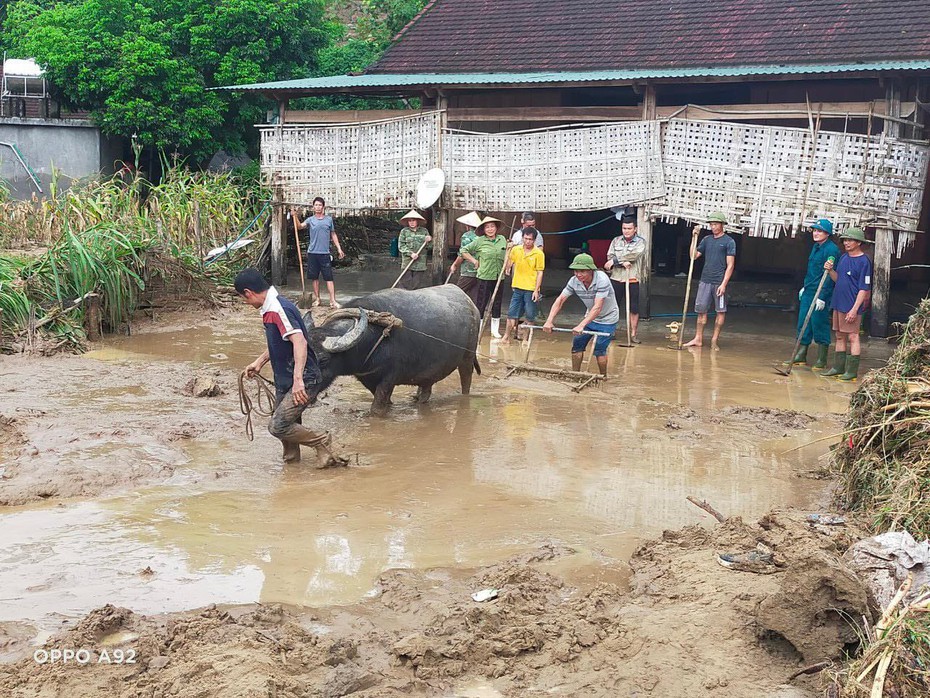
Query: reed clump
{"points": [[112, 238]]}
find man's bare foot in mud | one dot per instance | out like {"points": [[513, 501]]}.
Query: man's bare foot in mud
{"points": [[696, 342], [715, 346]]}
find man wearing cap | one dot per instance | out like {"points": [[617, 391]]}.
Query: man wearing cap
{"points": [[719, 252], [853, 277], [595, 291], [625, 263], [487, 253], [528, 220], [818, 329], [468, 279], [527, 263], [409, 244]]}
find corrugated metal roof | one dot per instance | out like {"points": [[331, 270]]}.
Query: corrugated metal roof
{"points": [[339, 82]]}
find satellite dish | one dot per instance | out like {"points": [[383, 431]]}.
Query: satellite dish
{"points": [[429, 188]]}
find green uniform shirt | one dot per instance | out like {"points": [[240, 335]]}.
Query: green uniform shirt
{"points": [[467, 268], [408, 243], [490, 256]]}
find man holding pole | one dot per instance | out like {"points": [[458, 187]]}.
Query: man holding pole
{"points": [[853, 277], [719, 252], [321, 231], [625, 263], [818, 327], [410, 245], [595, 291], [527, 263], [487, 253]]}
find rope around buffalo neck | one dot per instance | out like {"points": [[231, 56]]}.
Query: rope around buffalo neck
{"points": [[263, 392]]}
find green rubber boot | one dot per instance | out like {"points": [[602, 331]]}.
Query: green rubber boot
{"points": [[852, 369], [801, 356], [822, 350], [839, 364]]}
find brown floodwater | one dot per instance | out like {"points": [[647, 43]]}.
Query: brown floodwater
{"points": [[461, 482]]}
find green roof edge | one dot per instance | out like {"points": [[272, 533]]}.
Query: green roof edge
{"points": [[431, 79]]}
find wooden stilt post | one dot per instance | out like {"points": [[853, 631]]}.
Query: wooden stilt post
{"points": [[278, 240], [884, 237], [93, 317], [442, 214], [643, 222]]}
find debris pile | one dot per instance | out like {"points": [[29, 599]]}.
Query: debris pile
{"points": [[884, 457]]}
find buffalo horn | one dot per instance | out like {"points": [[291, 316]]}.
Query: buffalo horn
{"points": [[334, 345]]}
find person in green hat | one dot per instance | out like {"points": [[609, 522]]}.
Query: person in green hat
{"points": [[594, 289], [853, 278], [719, 252], [818, 329]]}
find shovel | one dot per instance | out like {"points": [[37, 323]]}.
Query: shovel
{"points": [[807, 319], [684, 310], [409, 264]]}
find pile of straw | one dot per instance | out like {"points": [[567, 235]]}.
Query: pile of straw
{"points": [[896, 659], [884, 458]]}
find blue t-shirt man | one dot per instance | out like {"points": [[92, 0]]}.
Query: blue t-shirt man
{"points": [[320, 232], [853, 274]]}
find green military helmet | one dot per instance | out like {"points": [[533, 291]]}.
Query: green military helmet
{"points": [[854, 234], [717, 217], [582, 262]]}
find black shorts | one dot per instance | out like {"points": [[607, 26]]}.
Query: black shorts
{"points": [[620, 292], [319, 264]]}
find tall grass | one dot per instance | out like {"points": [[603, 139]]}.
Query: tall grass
{"points": [[109, 236]]}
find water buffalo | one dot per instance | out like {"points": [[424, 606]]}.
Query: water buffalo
{"points": [[405, 357]]}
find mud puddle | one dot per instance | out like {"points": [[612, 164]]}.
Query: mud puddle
{"points": [[460, 483]]}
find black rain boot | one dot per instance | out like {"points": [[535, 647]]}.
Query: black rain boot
{"points": [[839, 365], [800, 356], [822, 350]]}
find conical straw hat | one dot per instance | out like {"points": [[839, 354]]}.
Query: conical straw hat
{"points": [[411, 214], [472, 220]]}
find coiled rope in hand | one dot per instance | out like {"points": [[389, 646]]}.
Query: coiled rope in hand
{"points": [[264, 391]]}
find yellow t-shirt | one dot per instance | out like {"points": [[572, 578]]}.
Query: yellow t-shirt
{"points": [[525, 266]]}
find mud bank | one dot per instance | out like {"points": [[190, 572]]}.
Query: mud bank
{"points": [[687, 627]]}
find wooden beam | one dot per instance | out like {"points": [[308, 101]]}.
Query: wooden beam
{"points": [[278, 240], [884, 237], [643, 222], [730, 112], [442, 214], [353, 116]]}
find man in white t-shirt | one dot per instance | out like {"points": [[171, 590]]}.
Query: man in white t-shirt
{"points": [[528, 220]]}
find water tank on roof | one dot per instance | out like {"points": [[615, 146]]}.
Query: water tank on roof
{"points": [[22, 77]]}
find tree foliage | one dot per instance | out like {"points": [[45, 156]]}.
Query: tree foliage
{"points": [[144, 67]]}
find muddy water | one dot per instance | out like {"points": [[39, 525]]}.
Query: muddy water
{"points": [[462, 482]]}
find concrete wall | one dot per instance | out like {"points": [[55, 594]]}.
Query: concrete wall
{"points": [[75, 147]]}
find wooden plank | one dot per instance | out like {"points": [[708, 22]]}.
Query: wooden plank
{"points": [[884, 237], [353, 116], [732, 112]]}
